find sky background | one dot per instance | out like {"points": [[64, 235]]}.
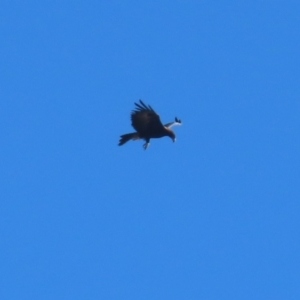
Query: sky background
{"points": [[214, 215]]}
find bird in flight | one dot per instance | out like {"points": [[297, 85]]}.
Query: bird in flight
{"points": [[147, 124]]}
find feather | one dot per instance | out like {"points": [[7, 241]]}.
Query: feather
{"points": [[147, 124]]}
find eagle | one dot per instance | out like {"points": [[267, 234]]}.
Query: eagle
{"points": [[147, 124]]}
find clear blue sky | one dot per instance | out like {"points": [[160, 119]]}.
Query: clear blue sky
{"points": [[214, 215]]}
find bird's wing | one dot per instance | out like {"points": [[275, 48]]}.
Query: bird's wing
{"points": [[145, 119], [176, 122]]}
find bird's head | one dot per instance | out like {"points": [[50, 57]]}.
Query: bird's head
{"points": [[171, 134]]}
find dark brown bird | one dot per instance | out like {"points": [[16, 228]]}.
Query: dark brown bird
{"points": [[147, 124]]}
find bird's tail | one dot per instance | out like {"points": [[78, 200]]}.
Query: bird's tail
{"points": [[128, 136]]}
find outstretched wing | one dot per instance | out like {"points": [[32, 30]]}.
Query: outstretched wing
{"points": [[145, 120], [176, 122]]}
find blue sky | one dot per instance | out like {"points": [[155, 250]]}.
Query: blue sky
{"points": [[214, 215]]}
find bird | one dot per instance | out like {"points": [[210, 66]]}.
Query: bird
{"points": [[148, 125]]}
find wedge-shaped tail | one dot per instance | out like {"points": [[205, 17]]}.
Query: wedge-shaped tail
{"points": [[127, 137]]}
